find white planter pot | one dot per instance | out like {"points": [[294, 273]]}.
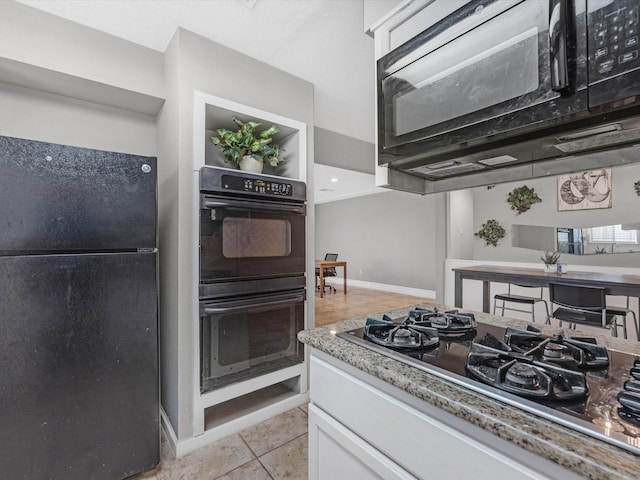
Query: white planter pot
{"points": [[250, 164], [553, 268]]}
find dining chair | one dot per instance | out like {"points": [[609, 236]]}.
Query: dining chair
{"points": [[520, 300], [328, 272], [623, 312], [582, 305]]}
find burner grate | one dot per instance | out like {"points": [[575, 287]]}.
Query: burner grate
{"points": [[524, 376], [447, 323], [570, 353], [400, 336]]}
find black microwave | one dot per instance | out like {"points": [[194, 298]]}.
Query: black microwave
{"points": [[496, 73]]}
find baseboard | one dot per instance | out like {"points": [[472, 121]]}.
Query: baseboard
{"points": [[168, 429], [415, 292]]}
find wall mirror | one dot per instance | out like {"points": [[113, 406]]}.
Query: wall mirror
{"points": [[600, 240]]}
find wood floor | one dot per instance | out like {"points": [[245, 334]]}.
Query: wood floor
{"points": [[359, 302]]}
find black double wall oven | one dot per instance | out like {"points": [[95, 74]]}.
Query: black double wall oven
{"points": [[252, 275]]}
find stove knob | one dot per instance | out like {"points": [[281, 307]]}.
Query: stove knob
{"points": [[630, 401], [635, 372], [632, 386]]}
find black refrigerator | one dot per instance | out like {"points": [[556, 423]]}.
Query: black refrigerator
{"points": [[79, 384]]}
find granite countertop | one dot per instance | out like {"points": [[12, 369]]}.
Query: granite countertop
{"points": [[583, 454]]}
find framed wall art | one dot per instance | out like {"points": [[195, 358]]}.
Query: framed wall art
{"points": [[584, 190]]}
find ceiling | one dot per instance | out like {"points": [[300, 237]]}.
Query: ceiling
{"points": [[321, 41], [332, 184]]}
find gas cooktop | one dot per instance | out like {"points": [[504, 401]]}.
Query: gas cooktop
{"points": [[570, 381]]}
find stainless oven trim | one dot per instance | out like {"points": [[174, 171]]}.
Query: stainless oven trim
{"points": [[247, 287], [234, 305], [211, 202]]}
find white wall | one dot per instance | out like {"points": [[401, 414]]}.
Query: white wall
{"points": [[48, 60], [492, 204], [36, 115], [193, 63], [374, 10], [32, 37], [460, 224], [387, 239], [51, 68]]}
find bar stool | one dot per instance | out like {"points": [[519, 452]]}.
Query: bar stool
{"points": [[585, 306], [623, 312], [520, 300]]}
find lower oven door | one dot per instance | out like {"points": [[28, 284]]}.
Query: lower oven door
{"points": [[248, 337]]}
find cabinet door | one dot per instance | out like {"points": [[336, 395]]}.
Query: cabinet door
{"points": [[335, 452], [426, 443]]}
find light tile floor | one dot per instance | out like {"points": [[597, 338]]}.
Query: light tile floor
{"points": [[275, 449]]}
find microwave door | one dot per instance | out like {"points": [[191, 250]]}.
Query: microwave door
{"points": [[507, 68]]}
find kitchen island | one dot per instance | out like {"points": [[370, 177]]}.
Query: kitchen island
{"points": [[372, 416]]}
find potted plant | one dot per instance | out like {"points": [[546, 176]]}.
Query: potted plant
{"points": [[550, 260], [522, 198], [247, 148], [491, 232]]}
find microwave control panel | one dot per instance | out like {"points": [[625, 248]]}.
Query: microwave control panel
{"points": [[613, 40], [254, 185]]}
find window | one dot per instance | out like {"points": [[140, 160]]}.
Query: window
{"points": [[613, 234]]}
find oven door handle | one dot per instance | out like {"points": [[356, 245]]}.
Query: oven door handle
{"points": [[288, 298], [248, 206]]}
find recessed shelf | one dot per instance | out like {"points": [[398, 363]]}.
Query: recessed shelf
{"points": [[238, 407], [213, 113]]}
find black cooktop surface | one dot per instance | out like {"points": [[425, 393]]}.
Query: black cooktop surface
{"points": [[596, 413]]}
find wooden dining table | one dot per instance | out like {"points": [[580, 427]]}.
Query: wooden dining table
{"points": [[322, 264], [614, 283]]}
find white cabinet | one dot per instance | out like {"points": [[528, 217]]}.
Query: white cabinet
{"points": [[361, 427], [336, 452], [405, 21], [408, 20]]}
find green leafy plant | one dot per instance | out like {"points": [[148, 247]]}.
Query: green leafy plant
{"points": [[522, 198], [550, 258], [491, 232], [246, 141], [636, 187], [600, 250]]}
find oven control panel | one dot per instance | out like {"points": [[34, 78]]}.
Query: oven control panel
{"points": [[254, 185]]}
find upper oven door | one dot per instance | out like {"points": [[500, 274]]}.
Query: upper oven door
{"points": [[490, 67], [243, 239]]}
